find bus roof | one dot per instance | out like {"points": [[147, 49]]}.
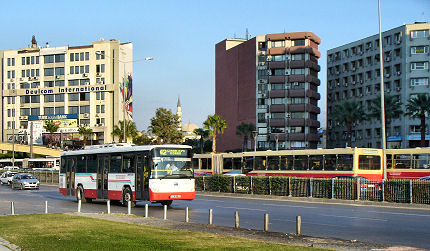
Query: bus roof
{"points": [[112, 148]]}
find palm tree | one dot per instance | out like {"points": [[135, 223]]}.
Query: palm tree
{"points": [[245, 130], [215, 124], [203, 134], [130, 129], [85, 131], [417, 107], [393, 109], [348, 112], [51, 127]]}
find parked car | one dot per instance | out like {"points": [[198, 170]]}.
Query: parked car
{"points": [[11, 168], [24, 181], [6, 178]]}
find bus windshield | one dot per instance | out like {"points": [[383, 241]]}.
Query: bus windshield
{"points": [[171, 168]]}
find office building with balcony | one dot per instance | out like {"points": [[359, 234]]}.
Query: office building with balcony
{"points": [[71, 85], [353, 73], [271, 81]]}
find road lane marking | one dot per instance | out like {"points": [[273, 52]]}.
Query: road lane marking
{"points": [[275, 205], [243, 208], [407, 214], [352, 217], [212, 200]]}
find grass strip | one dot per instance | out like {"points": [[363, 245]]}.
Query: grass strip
{"points": [[69, 232]]}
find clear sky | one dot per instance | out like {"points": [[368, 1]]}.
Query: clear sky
{"points": [[181, 36]]}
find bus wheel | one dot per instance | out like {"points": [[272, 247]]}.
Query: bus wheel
{"points": [[80, 194], [127, 197], [167, 202]]}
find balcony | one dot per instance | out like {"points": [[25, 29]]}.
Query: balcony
{"points": [[277, 51], [276, 65], [277, 122], [277, 108], [276, 79], [277, 94]]}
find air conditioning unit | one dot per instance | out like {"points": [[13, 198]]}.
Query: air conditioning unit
{"points": [[387, 75], [353, 82], [98, 74], [268, 59], [387, 59], [11, 80], [97, 115], [398, 41], [361, 53], [101, 124], [35, 78], [287, 73], [398, 89], [361, 94], [85, 75], [361, 81], [269, 72], [23, 117], [57, 76], [86, 115], [338, 84], [21, 79], [29, 78], [388, 90], [262, 81], [398, 73], [261, 63], [353, 69]]}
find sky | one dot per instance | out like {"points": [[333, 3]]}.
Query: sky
{"points": [[181, 37]]}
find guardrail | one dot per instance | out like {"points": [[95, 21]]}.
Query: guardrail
{"points": [[400, 191]]}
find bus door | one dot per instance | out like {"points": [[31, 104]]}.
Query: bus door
{"points": [[102, 177], [70, 176], [139, 176], [146, 174]]}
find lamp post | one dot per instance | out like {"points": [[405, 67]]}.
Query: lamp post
{"points": [[123, 85], [277, 139], [381, 72], [255, 134]]}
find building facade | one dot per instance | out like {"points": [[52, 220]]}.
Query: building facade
{"points": [[353, 73], [271, 81], [71, 85]]}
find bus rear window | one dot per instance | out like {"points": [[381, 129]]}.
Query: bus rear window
{"points": [[369, 162]]}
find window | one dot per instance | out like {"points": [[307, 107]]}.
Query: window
{"points": [[92, 163], [73, 96], [419, 49], [261, 45], [72, 70], [87, 69], [419, 33], [87, 56], [49, 71], [81, 166], [59, 70], [73, 109], [100, 95], [261, 118], [100, 109], [278, 58], [59, 83], [115, 163], [84, 96], [84, 109], [100, 55], [277, 115], [419, 65], [419, 81], [35, 111], [81, 56], [59, 58], [278, 101], [49, 110], [35, 98], [387, 40], [49, 59], [262, 74], [27, 59], [278, 86], [72, 57], [84, 81], [37, 59], [25, 111], [298, 42], [74, 82], [24, 85], [278, 72], [59, 97], [49, 83], [278, 43], [25, 99], [295, 57], [49, 98], [298, 115], [297, 100], [297, 71], [59, 110]]}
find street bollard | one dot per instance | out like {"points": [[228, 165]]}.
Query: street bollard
{"points": [[79, 205], [129, 207], [266, 222], [410, 193], [298, 225], [165, 212], [146, 210], [108, 206], [187, 216], [210, 216], [12, 208], [236, 222], [46, 206]]}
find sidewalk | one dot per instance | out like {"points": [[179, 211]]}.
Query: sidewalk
{"points": [[7, 246]]}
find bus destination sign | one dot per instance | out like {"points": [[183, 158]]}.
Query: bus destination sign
{"points": [[173, 152]]}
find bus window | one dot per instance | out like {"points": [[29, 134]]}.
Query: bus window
{"points": [[63, 165], [344, 162], [129, 163], [301, 162], [115, 163], [273, 162], [316, 162], [287, 162], [237, 163], [260, 162], [92, 163], [421, 161], [206, 163], [227, 163], [330, 162], [248, 163], [369, 162], [389, 161], [402, 161], [196, 163], [82, 164]]}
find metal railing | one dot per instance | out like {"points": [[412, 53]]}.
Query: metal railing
{"points": [[399, 191]]}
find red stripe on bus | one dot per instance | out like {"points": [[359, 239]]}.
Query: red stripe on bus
{"points": [[90, 193], [407, 175], [167, 196], [63, 191], [117, 195]]}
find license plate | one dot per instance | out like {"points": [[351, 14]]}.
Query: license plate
{"points": [[175, 196]]}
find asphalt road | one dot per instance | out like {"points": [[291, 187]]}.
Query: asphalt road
{"points": [[395, 226]]}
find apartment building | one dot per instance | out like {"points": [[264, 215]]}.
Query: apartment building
{"points": [[71, 85], [271, 81], [353, 73]]}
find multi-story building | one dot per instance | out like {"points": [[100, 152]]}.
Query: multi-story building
{"points": [[271, 81], [72, 85], [353, 73]]}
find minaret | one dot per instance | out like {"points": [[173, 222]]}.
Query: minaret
{"points": [[179, 113]]}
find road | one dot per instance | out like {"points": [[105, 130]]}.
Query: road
{"points": [[395, 226]]}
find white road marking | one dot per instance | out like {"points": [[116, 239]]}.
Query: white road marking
{"points": [[243, 208], [408, 214], [352, 217], [276, 205]]}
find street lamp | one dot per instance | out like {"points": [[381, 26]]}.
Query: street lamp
{"points": [[277, 139], [123, 85], [255, 134], [381, 72]]}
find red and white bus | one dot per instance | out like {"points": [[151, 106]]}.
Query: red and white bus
{"points": [[124, 172]]}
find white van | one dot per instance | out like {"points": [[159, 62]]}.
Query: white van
{"points": [[11, 168]]}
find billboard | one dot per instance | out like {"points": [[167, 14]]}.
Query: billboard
{"points": [[127, 94]]}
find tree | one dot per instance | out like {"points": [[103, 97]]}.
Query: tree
{"points": [[417, 107], [393, 109], [131, 130], [85, 132], [203, 135], [165, 126], [244, 130], [142, 139], [348, 112], [215, 124], [51, 127]]}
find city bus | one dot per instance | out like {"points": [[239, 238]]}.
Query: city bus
{"points": [[319, 163], [128, 173], [48, 163]]}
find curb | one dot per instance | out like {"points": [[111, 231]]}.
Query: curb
{"points": [[7, 246]]}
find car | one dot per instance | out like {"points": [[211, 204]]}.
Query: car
{"points": [[6, 178], [234, 173], [24, 181], [11, 168], [425, 178]]}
